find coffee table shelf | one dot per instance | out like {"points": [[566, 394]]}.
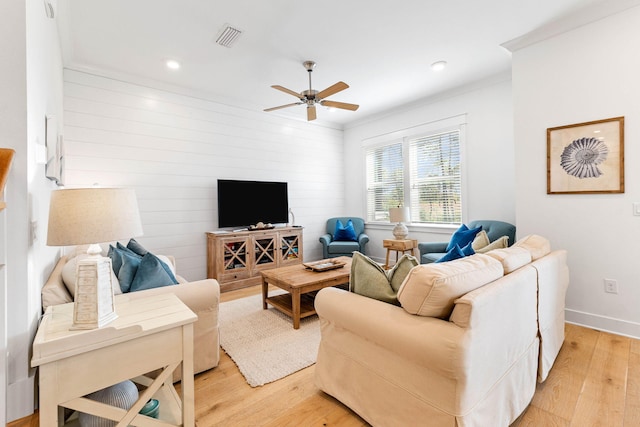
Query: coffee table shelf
{"points": [[300, 282], [284, 304]]}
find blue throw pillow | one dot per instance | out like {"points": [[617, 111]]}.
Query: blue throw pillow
{"points": [[453, 253], [116, 259], [136, 247], [345, 233], [463, 236], [468, 250], [123, 248], [152, 273], [128, 270]]}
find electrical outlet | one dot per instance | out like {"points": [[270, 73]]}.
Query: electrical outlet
{"points": [[611, 286]]}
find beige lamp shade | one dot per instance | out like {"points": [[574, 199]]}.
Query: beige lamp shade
{"points": [[399, 215], [92, 215]]}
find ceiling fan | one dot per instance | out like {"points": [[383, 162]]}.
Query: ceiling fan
{"points": [[312, 97]]}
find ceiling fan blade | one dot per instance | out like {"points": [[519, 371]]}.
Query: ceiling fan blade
{"points": [[311, 113], [343, 105], [285, 90], [331, 90], [282, 106]]}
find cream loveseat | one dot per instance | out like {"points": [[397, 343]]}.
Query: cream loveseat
{"points": [[466, 347], [202, 297]]}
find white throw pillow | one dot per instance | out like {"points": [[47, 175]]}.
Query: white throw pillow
{"points": [[69, 273]]}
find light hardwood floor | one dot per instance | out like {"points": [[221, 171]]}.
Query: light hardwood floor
{"points": [[594, 382]]}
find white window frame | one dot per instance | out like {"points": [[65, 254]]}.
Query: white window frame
{"points": [[449, 124]]}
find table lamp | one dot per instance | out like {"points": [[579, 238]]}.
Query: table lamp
{"points": [[90, 216], [399, 215]]}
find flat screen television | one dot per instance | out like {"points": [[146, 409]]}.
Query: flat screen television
{"points": [[245, 203]]}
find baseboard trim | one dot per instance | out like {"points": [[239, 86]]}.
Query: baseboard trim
{"points": [[603, 323], [20, 398]]}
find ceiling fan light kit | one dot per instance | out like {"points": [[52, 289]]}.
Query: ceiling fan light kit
{"points": [[312, 97]]}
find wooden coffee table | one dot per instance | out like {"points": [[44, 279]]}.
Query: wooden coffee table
{"points": [[298, 281]]}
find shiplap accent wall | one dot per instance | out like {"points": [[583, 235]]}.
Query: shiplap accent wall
{"points": [[171, 148]]}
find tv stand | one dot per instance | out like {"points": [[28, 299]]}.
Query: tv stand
{"points": [[236, 258]]}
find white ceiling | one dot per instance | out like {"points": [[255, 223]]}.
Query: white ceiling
{"points": [[382, 49]]}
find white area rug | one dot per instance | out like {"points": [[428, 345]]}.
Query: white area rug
{"points": [[263, 343]]}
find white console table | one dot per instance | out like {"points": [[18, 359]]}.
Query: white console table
{"points": [[149, 334]]}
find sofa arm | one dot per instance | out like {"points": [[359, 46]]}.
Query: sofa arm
{"points": [[200, 296], [501, 318], [54, 291], [392, 328], [325, 239], [363, 239], [432, 247]]}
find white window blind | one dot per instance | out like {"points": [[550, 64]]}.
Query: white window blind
{"points": [[420, 168], [385, 180], [435, 179]]}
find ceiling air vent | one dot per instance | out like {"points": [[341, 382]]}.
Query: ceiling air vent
{"points": [[228, 36]]}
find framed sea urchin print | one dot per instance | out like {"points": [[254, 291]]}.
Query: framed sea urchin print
{"points": [[586, 157]]}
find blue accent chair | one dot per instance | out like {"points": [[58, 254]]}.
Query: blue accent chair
{"points": [[430, 252], [332, 249]]}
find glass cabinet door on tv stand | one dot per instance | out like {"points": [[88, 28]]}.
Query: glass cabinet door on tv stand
{"points": [[235, 258], [264, 252], [290, 248]]}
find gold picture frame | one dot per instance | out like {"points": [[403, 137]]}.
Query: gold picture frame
{"points": [[586, 158]]}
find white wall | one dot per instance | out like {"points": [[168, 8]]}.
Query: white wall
{"points": [[32, 88], [173, 147], [488, 156], [586, 74], [13, 131]]}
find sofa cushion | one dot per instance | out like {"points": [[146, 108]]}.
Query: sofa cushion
{"points": [[431, 289], [499, 243], [511, 258], [345, 232], [69, 274], [537, 245], [369, 279], [342, 247], [463, 236]]}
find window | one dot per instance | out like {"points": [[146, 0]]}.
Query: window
{"points": [[421, 170]]}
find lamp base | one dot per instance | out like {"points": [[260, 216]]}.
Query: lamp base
{"points": [[94, 304], [400, 231]]}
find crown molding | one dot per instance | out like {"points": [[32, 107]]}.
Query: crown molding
{"points": [[570, 21]]}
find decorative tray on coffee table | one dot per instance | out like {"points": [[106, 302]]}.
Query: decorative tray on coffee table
{"points": [[324, 265]]}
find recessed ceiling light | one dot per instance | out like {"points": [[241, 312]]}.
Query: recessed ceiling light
{"points": [[439, 65], [174, 65]]}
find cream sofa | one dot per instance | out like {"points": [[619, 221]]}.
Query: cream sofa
{"points": [[466, 347], [202, 297]]}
